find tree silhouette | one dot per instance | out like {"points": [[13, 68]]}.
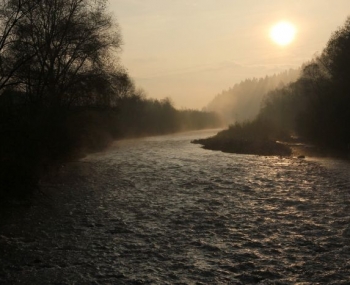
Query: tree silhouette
{"points": [[11, 13], [68, 44]]}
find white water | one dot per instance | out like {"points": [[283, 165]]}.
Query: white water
{"points": [[161, 210]]}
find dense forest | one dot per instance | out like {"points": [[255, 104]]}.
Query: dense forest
{"points": [[242, 102], [63, 91], [315, 107]]}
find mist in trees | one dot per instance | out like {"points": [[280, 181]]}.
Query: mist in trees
{"points": [[139, 116], [242, 101], [63, 91]]}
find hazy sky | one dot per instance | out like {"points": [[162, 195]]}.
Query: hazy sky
{"points": [[191, 50]]}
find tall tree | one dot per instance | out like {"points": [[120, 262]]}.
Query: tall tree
{"points": [[70, 43], [11, 13]]}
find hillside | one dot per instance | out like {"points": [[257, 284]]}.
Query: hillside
{"points": [[243, 101]]}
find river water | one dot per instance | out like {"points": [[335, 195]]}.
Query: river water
{"points": [[161, 210]]}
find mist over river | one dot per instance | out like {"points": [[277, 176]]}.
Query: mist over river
{"points": [[161, 210]]}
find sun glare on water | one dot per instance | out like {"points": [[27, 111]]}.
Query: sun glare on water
{"points": [[283, 33]]}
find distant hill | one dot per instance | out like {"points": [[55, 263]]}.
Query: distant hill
{"points": [[243, 101]]}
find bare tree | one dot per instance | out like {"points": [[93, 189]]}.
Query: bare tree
{"points": [[11, 13], [70, 44]]}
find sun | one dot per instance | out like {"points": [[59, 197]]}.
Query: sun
{"points": [[283, 33]]}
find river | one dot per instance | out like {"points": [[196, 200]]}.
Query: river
{"points": [[161, 210]]}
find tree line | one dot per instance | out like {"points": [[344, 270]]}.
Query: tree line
{"points": [[63, 91]]}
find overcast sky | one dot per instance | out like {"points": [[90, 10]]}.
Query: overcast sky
{"points": [[191, 50]]}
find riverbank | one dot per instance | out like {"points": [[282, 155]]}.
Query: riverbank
{"points": [[290, 147], [38, 137], [245, 146]]}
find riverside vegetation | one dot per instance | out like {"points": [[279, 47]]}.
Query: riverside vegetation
{"points": [[315, 107], [63, 92]]}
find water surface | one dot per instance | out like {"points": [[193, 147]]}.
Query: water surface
{"points": [[161, 210]]}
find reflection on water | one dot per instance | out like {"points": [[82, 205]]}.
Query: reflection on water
{"points": [[161, 210]]}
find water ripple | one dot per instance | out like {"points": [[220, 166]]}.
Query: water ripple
{"points": [[164, 211]]}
